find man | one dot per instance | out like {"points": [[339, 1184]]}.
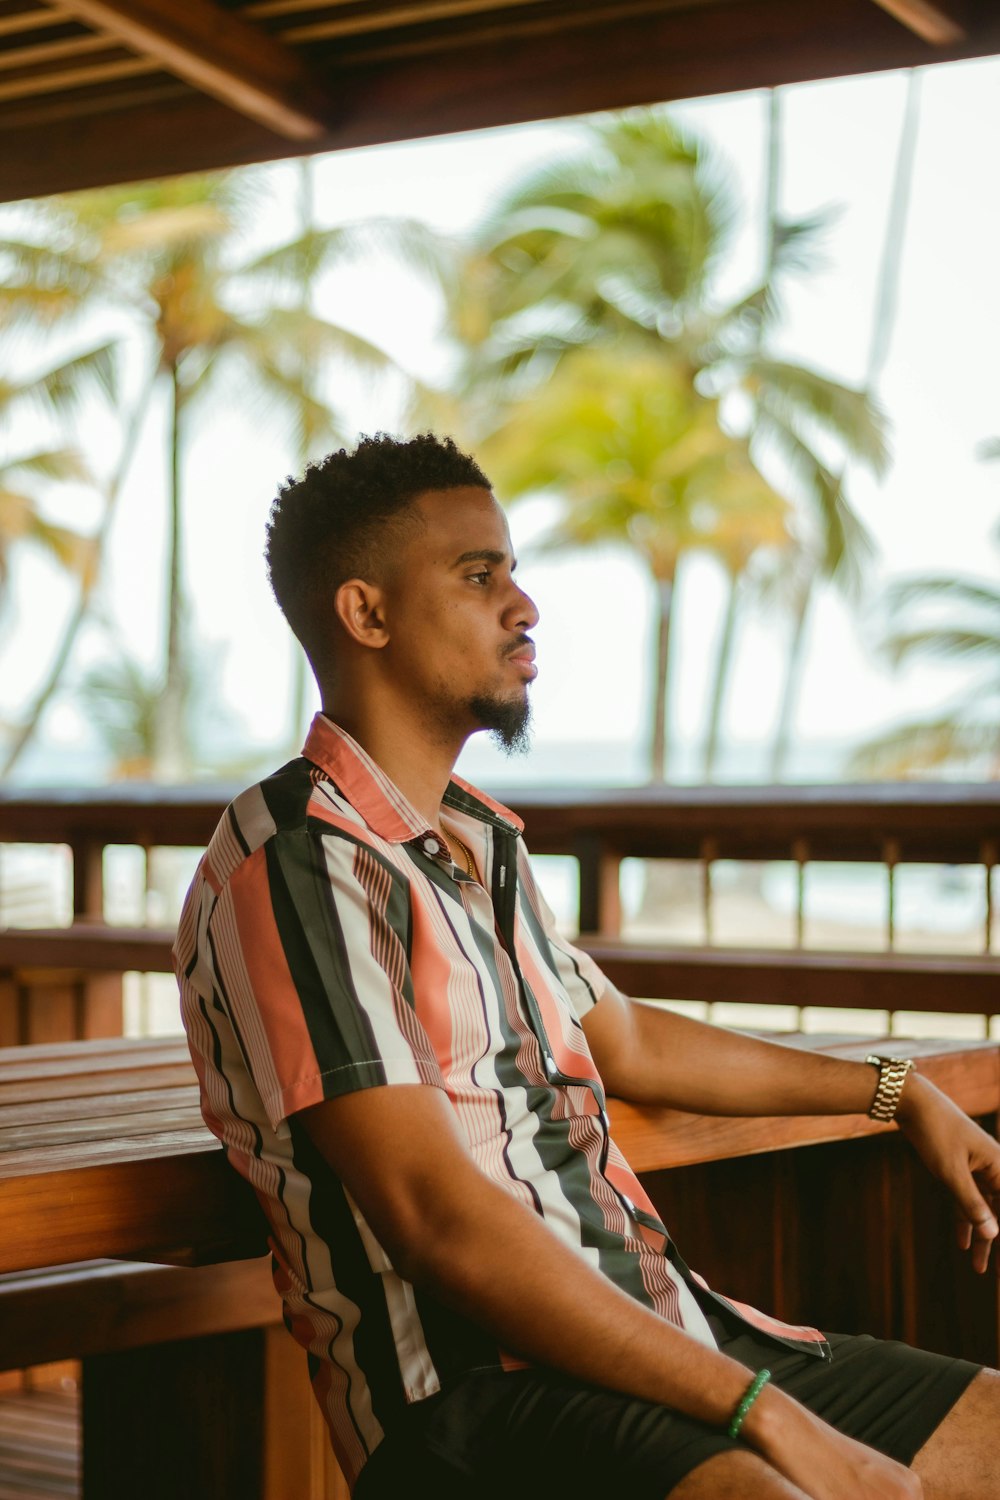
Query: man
{"points": [[410, 1067]]}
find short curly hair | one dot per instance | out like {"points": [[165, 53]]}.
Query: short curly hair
{"points": [[342, 519]]}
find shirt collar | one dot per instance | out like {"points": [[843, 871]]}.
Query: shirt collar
{"points": [[379, 801]]}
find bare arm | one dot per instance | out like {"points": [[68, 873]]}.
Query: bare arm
{"points": [[450, 1229], [653, 1056]]}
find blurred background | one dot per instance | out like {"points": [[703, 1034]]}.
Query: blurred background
{"points": [[729, 363]]}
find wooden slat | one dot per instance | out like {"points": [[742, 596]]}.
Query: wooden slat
{"points": [[220, 54], [87, 947], [107, 1055], [32, 18], [121, 1106], [878, 981], [947, 823], [99, 1116], [75, 1086], [929, 19], [99, 1307], [185, 1209]]}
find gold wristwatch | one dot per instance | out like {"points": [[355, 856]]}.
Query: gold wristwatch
{"points": [[892, 1073]]}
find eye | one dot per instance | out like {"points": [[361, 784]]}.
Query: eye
{"points": [[481, 579]]}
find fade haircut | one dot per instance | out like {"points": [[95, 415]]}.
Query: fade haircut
{"points": [[344, 519]]}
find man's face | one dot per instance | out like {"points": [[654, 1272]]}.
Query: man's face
{"points": [[457, 620]]}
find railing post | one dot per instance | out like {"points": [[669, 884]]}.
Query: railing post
{"points": [[97, 998], [600, 890]]}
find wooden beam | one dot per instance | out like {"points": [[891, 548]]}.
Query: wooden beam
{"points": [[929, 19], [220, 54], [635, 60]]}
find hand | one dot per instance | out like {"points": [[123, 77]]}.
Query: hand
{"points": [[822, 1462], [964, 1157]]}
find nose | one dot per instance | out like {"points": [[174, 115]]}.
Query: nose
{"points": [[521, 613]]}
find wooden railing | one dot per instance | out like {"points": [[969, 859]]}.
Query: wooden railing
{"points": [[57, 983]]}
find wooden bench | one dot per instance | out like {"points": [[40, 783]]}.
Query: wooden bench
{"points": [[232, 1413], [103, 1152]]}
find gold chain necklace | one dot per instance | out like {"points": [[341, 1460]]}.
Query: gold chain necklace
{"points": [[470, 864]]}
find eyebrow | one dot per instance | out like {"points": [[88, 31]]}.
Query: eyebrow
{"points": [[484, 554]]}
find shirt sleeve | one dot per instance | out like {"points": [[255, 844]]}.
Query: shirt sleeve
{"points": [[580, 977], [310, 937]]}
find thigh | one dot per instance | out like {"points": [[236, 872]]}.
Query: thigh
{"points": [[880, 1392], [500, 1428], [959, 1461]]}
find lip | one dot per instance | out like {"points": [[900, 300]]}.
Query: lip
{"points": [[526, 661]]}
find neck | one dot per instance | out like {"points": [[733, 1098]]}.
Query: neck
{"points": [[410, 752]]}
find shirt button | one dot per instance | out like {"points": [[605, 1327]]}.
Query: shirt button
{"points": [[431, 846]]}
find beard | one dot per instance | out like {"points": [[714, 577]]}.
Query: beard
{"points": [[508, 721]]}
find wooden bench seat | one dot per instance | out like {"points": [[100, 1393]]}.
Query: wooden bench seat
{"points": [[99, 1307], [103, 1152]]}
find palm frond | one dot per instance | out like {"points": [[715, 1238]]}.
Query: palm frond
{"points": [[964, 593], [846, 545], [793, 393], [952, 643], [796, 241], [61, 388], [926, 746], [57, 464]]}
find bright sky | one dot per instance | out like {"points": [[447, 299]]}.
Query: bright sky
{"points": [[935, 511]]}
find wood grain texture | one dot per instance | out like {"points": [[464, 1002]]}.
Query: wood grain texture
{"points": [[874, 981], [536, 62], [220, 54], [99, 1307], [115, 1177]]}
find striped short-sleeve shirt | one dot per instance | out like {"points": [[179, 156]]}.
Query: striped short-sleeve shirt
{"points": [[328, 944]]}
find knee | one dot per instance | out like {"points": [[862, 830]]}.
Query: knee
{"points": [[735, 1476]]}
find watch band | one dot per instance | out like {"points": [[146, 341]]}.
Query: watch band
{"points": [[892, 1073]]}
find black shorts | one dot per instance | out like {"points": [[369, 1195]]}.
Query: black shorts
{"points": [[494, 1428]]}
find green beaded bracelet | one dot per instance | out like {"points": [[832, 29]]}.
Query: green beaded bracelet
{"points": [[740, 1414]]}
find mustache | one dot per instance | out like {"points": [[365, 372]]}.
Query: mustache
{"points": [[516, 645]]}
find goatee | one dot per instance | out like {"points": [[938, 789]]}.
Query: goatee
{"points": [[508, 720]]}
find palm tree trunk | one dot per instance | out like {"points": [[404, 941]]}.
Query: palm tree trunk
{"points": [[883, 324], [88, 588], [792, 684], [772, 179], [720, 676], [895, 234], [659, 743], [171, 754]]}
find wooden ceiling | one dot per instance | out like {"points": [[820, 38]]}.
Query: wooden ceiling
{"points": [[100, 91]]}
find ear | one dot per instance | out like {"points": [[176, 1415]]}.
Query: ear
{"points": [[359, 608]]}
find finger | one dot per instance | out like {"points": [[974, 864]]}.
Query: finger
{"points": [[964, 1234], [974, 1208], [981, 1250]]}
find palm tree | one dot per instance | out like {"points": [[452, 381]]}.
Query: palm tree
{"points": [[945, 619], [753, 526], [844, 564], [51, 395], [620, 247], [164, 254], [637, 457]]}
